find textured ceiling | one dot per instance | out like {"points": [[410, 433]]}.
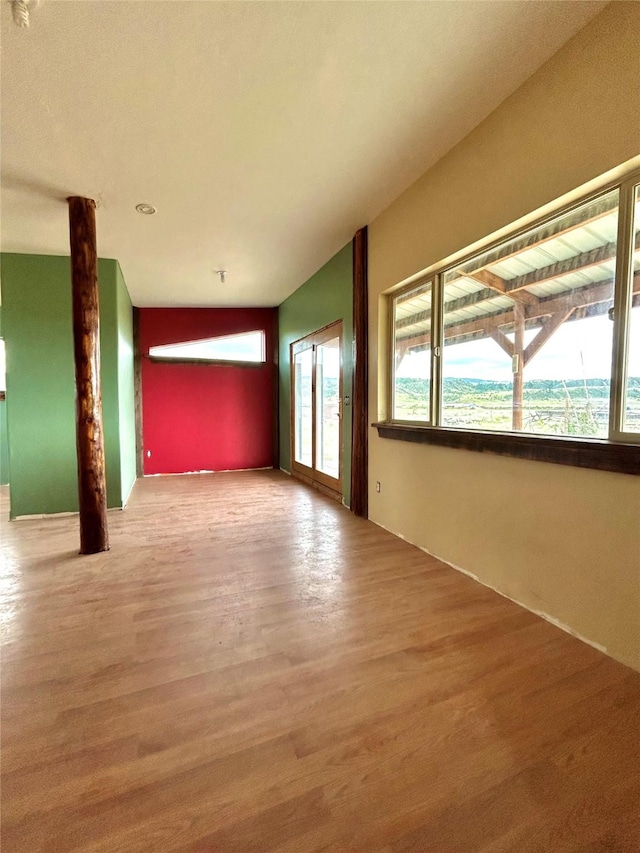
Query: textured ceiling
{"points": [[265, 133]]}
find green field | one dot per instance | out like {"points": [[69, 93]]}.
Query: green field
{"points": [[552, 407]]}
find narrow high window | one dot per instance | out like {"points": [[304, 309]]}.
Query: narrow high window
{"points": [[245, 347]]}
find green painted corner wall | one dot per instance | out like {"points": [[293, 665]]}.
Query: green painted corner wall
{"points": [[326, 297], [4, 444], [126, 389], [36, 295], [108, 287]]}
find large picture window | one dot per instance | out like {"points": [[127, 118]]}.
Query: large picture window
{"points": [[538, 335]]}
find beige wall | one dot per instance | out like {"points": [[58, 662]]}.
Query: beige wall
{"points": [[560, 540]]}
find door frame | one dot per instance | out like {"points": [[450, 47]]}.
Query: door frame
{"points": [[310, 475]]}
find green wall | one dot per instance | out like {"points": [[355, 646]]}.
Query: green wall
{"points": [[108, 286], [36, 296], [326, 297], [4, 444], [126, 392]]}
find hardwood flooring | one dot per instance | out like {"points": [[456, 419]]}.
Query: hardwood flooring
{"points": [[250, 668]]}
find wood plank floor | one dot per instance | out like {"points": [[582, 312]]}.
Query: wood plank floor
{"points": [[251, 669]]}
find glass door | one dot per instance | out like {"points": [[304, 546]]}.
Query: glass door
{"points": [[316, 407], [328, 412], [303, 413]]}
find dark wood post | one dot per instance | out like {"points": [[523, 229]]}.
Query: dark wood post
{"points": [[275, 331], [518, 365], [92, 490], [359, 451]]}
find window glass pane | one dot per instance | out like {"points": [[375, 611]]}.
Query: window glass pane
{"points": [[328, 407], [303, 412], [245, 346], [412, 355], [527, 331], [631, 419]]}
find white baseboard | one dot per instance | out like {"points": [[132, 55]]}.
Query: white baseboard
{"points": [[41, 515], [546, 616], [126, 500]]}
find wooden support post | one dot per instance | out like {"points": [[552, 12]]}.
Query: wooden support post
{"points": [[518, 365], [275, 442], [92, 490], [360, 428], [401, 351]]}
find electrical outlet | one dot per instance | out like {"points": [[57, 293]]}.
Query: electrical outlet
{"points": [[377, 485]]}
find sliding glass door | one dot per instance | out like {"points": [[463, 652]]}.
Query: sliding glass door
{"points": [[316, 407]]}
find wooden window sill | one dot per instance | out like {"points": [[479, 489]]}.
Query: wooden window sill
{"points": [[595, 453]]}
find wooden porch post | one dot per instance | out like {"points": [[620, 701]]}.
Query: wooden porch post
{"points": [[92, 490], [518, 365], [360, 430]]}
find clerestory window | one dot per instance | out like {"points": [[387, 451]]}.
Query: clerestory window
{"points": [[244, 347]]}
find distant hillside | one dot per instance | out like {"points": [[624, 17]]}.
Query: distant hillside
{"points": [[548, 390]]}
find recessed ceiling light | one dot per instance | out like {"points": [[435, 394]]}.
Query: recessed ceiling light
{"points": [[147, 209]]}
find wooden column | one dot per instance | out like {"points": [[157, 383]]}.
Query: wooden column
{"points": [[92, 490], [275, 451], [359, 452], [518, 365]]}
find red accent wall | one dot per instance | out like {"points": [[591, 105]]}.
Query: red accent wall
{"points": [[213, 417]]}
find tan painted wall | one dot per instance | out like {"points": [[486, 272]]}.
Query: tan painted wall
{"points": [[560, 540]]}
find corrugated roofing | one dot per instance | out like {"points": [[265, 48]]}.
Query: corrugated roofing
{"points": [[571, 240]]}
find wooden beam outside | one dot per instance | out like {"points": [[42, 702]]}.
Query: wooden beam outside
{"points": [[579, 297], [503, 341], [518, 366], [92, 486], [360, 426], [500, 285], [423, 341], [401, 351], [556, 228], [577, 263], [453, 305], [548, 328], [582, 302], [513, 288]]}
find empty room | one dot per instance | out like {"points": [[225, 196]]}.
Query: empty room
{"points": [[320, 426]]}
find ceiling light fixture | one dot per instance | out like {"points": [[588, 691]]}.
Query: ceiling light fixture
{"points": [[222, 275], [147, 209]]}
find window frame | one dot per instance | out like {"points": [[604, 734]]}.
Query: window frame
{"points": [[433, 403], [583, 452]]}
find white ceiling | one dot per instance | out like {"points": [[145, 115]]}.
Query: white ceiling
{"points": [[265, 133]]}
